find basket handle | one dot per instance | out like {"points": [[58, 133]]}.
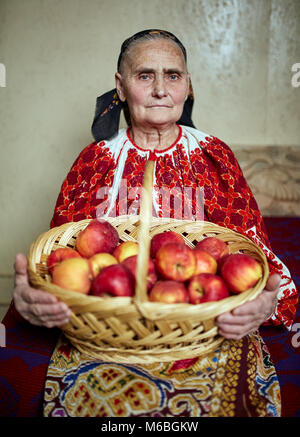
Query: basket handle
{"points": [[143, 235]]}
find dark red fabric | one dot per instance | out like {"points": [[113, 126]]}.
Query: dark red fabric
{"points": [[284, 345], [23, 365]]}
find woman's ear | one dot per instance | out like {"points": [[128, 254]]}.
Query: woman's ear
{"points": [[119, 86], [188, 86]]}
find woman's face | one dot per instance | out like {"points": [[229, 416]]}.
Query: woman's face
{"points": [[154, 82]]}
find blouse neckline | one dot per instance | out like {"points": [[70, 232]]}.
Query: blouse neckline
{"points": [[155, 151]]}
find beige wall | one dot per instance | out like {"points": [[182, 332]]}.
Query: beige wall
{"points": [[60, 55]]}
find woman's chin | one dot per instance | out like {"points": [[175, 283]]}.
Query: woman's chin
{"points": [[159, 122]]}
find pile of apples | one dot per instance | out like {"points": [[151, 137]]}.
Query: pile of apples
{"points": [[103, 266]]}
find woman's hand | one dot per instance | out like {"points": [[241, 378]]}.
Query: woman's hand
{"points": [[36, 306], [249, 316]]}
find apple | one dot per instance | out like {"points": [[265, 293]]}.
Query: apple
{"points": [[131, 264], [221, 262], [99, 236], [101, 260], [175, 261], [240, 272], [214, 246], [158, 240], [73, 274], [205, 263], [58, 255], [125, 249], [168, 292], [207, 287], [115, 280]]}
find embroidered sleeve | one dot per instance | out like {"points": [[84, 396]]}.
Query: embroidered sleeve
{"points": [[75, 201], [287, 296], [241, 213]]}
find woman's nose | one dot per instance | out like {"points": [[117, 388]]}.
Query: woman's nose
{"points": [[159, 88]]}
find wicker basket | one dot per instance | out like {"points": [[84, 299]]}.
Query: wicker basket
{"points": [[132, 329]]}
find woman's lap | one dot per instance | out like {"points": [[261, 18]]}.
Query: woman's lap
{"points": [[238, 379]]}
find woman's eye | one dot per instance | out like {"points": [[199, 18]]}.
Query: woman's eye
{"points": [[144, 76]]}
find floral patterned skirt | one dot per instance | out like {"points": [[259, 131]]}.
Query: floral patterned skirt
{"points": [[236, 380]]}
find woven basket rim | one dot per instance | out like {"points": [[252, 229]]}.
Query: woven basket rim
{"points": [[194, 332], [204, 310]]}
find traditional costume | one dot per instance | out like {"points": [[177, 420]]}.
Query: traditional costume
{"points": [[206, 183]]}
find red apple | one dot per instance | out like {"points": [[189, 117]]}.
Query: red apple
{"points": [[158, 240], [125, 249], [131, 264], [205, 263], [175, 261], [99, 236], [214, 246], [240, 272], [207, 287], [58, 255], [115, 280], [73, 274], [168, 292], [221, 262]]}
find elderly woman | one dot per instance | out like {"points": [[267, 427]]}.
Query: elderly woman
{"points": [[153, 88]]}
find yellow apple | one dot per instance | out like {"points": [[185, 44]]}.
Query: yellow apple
{"points": [[73, 274], [125, 249], [101, 260]]}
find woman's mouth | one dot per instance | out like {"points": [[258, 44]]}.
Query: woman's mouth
{"points": [[158, 106]]}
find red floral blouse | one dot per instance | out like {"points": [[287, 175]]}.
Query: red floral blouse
{"points": [[196, 178]]}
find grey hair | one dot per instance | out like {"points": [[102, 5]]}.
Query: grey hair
{"points": [[145, 38]]}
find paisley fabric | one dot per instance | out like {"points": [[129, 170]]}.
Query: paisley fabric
{"points": [[238, 379], [196, 178]]}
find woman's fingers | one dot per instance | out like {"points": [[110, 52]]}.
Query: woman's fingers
{"points": [[247, 317], [34, 296], [21, 277], [245, 313], [236, 326], [273, 282], [47, 311], [48, 323], [230, 319], [46, 315], [37, 306], [235, 334], [28, 301], [29, 294]]}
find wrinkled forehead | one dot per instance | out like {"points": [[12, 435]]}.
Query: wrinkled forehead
{"points": [[149, 34], [150, 53]]}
